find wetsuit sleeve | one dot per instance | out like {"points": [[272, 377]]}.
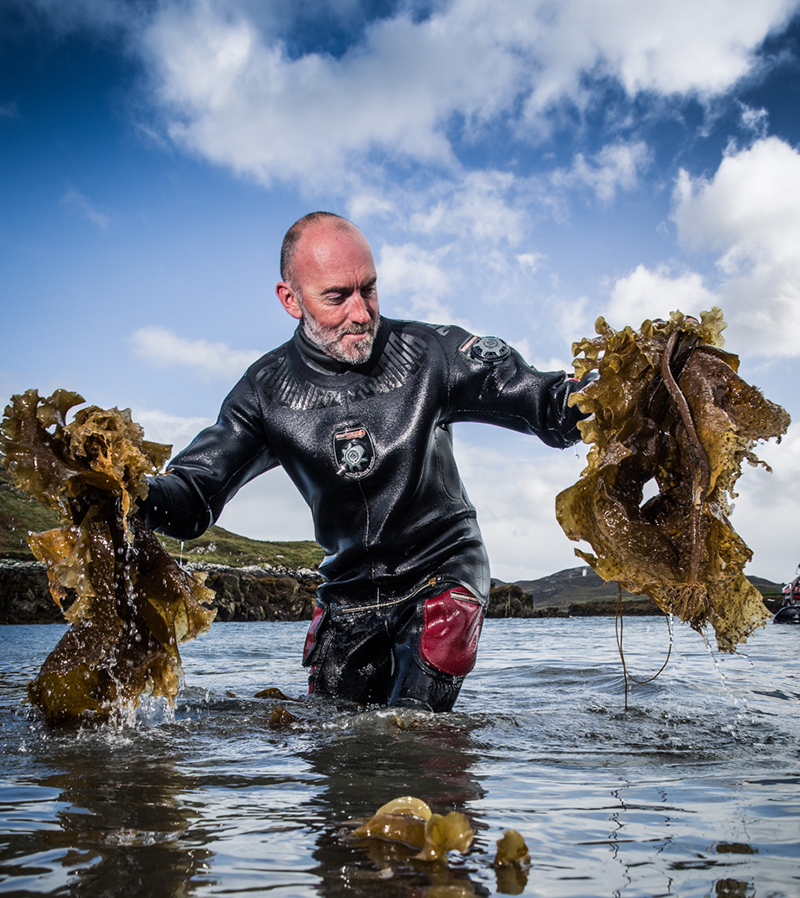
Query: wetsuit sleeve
{"points": [[188, 499], [490, 382]]}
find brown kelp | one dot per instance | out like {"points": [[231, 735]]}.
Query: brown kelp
{"points": [[133, 603], [511, 863], [669, 415], [411, 822]]}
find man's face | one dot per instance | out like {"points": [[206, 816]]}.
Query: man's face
{"points": [[333, 291]]}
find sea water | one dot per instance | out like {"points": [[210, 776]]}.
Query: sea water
{"points": [[689, 787]]}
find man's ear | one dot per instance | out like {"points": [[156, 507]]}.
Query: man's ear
{"points": [[288, 300]]}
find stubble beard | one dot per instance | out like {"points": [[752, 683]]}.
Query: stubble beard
{"points": [[331, 339]]}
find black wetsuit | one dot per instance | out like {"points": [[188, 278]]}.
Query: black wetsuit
{"points": [[370, 449]]}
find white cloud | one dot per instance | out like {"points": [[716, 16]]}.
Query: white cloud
{"points": [[162, 348], [480, 205], [269, 507], [235, 96], [616, 167], [756, 121], [765, 513], [668, 47], [230, 91], [531, 261], [749, 217], [77, 204], [415, 279], [162, 427], [645, 293], [553, 363], [514, 491]]}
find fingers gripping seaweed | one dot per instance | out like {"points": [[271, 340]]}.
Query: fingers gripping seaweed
{"points": [[669, 415], [134, 603]]}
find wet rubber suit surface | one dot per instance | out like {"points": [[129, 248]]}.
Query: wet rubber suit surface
{"points": [[406, 576]]}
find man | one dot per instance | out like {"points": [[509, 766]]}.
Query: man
{"points": [[358, 408]]}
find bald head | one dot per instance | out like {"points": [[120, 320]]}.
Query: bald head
{"points": [[329, 283], [293, 236]]}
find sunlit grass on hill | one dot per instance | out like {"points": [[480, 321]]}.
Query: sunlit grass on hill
{"points": [[220, 546]]}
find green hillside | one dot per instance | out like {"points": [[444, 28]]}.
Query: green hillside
{"points": [[19, 514]]}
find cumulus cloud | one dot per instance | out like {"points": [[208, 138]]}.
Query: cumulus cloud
{"points": [[175, 430], [766, 508], [514, 489], [756, 121], [482, 205], [230, 90], [646, 293], [235, 96], [231, 80], [675, 47], [616, 167], [162, 348], [77, 204], [414, 277], [747, 215], [269, 507]]}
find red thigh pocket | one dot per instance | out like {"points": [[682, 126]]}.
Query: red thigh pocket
{"points": [[311, 639], [450, 633]]}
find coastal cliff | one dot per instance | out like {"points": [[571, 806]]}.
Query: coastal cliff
{"points": [[242, 594]]}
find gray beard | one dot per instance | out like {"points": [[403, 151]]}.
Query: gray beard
{"points": [[329, 340]]}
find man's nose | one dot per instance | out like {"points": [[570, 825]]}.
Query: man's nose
{"points": [[358, 309]]}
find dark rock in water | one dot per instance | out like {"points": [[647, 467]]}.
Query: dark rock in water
{"points": [[509, 600], [260, 593], [24, 594]]}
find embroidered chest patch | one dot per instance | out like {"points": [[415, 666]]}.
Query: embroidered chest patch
{"points": [[354, 452]]}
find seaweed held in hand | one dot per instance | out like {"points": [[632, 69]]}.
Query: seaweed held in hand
{"points": [[670, 416], [134, 603]]}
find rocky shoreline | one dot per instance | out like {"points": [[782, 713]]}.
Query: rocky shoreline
{"points": [[267, 594], [242, 594]]}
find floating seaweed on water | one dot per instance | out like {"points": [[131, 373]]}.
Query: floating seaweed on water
{"points": [[273, 692], [133, 603], [669, 414], [411, 822], [511, 850], [511, 863]]}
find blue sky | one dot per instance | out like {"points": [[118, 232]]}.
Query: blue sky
{"points": [[519, 168]]}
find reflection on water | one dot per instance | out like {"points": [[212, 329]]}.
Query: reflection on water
{"points": [[94, 814], [375, 758], [692, 791]]}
